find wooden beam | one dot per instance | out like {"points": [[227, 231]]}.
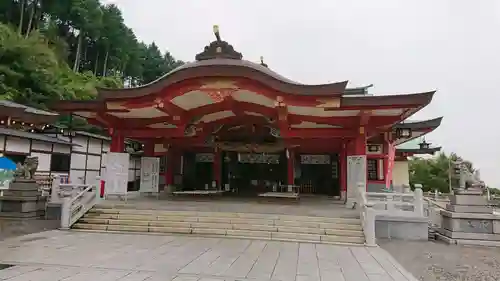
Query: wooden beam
{"points": [[154, 133], [321, 133]]}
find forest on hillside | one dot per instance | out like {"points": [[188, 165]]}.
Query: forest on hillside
{"points": [[63, 49]]}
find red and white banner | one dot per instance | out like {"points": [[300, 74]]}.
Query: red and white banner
{"points": [[391, 155]]}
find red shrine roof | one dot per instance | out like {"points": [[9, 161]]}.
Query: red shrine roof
{"points": [[225, 68], [222, 89]]}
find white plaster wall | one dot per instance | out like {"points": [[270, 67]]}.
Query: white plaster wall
{"points": [[93, 162], [78, 161], [400, 173], [80, 143], [60, 148], [77, 176], [95, 146], [18, 145], [43, 161], [41, 145], [91, 177]]}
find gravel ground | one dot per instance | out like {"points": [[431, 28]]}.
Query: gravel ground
{"points": [[429, 261], [11, 228]]}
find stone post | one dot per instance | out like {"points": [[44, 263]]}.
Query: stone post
{"points": [[54, 192], [65, 212], [389, 203], [369, 225], [97, 190], [418, 200]]}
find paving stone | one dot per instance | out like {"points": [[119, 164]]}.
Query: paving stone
{"points": [[75, 256]]}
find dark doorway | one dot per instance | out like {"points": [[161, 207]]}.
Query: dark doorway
{"points": [[320, 176]]}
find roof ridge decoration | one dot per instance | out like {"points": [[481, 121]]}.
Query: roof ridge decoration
{"points": [[262, 62], [218, 49]]}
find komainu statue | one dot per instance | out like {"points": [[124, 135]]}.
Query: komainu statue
{"points": [[27, 170]]}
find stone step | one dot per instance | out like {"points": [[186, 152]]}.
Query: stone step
{"points": [[336, 230], [218, 217], [340, 224], [235, 233]]}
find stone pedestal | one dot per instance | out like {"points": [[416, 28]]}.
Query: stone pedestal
{"points": [[469, 220], [23, 200]]}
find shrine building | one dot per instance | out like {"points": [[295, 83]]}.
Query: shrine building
{"points": [[225, 123]]}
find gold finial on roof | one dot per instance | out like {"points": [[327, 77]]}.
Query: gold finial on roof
{"points": [[216, 32], [262, 61]]}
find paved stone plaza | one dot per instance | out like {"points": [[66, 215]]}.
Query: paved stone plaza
{"points": [[71, 256]]}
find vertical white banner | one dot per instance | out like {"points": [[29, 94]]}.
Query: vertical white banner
{"points": [[356, 173], [117, 166], [150, 175]]}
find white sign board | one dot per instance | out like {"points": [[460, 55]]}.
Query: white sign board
{"points": [[356, 173], [117, 165], [150, 175]]}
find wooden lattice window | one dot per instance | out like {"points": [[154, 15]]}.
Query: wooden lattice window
{"points": [[372, 167]]}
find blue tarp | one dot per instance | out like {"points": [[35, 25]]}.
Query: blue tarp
{"points": [[7, 164]]}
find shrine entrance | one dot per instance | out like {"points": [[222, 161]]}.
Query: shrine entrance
{"points": [[319, 174], [252, 173]]}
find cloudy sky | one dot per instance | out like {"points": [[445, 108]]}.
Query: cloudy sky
{"points": [[401, 46]]}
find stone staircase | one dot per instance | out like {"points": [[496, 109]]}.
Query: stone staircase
{"points": [[310, 229]]}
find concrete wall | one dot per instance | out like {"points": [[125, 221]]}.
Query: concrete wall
{"points": [[401, 227]]}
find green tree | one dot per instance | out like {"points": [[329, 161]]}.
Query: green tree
{"points": [[89, 36], [434, 173], [63, 49]]}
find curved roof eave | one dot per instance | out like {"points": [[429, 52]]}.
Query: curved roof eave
{"points": [[220, 67], [418, 99], [416, 125], [430, 150]]}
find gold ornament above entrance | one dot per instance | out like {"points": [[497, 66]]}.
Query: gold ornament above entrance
{"points": [[219, 90]]}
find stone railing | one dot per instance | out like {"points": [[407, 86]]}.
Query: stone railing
{"points": [[59, 190], [432, 210], [74, 207], [366, 214], [410, 204]]}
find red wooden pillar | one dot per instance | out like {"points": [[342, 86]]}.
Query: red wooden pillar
{"points": [[290, 155], [169, 173], [359, 143], [149, 149], [117, 141], [343, 171], [359, 149], [217, 168]]}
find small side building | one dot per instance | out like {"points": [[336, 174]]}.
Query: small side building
{"points": [[77, 155]]}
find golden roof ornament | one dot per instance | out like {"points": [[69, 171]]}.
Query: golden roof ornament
{"points": [[262, 62], [218, 49]]}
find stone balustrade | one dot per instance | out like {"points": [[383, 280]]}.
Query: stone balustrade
{"points": [[398, 215], [74, 207], [410, 204], [366, 214], [59, 190]]}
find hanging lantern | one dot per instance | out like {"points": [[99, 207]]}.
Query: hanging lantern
{"points": [[403, 133]]}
